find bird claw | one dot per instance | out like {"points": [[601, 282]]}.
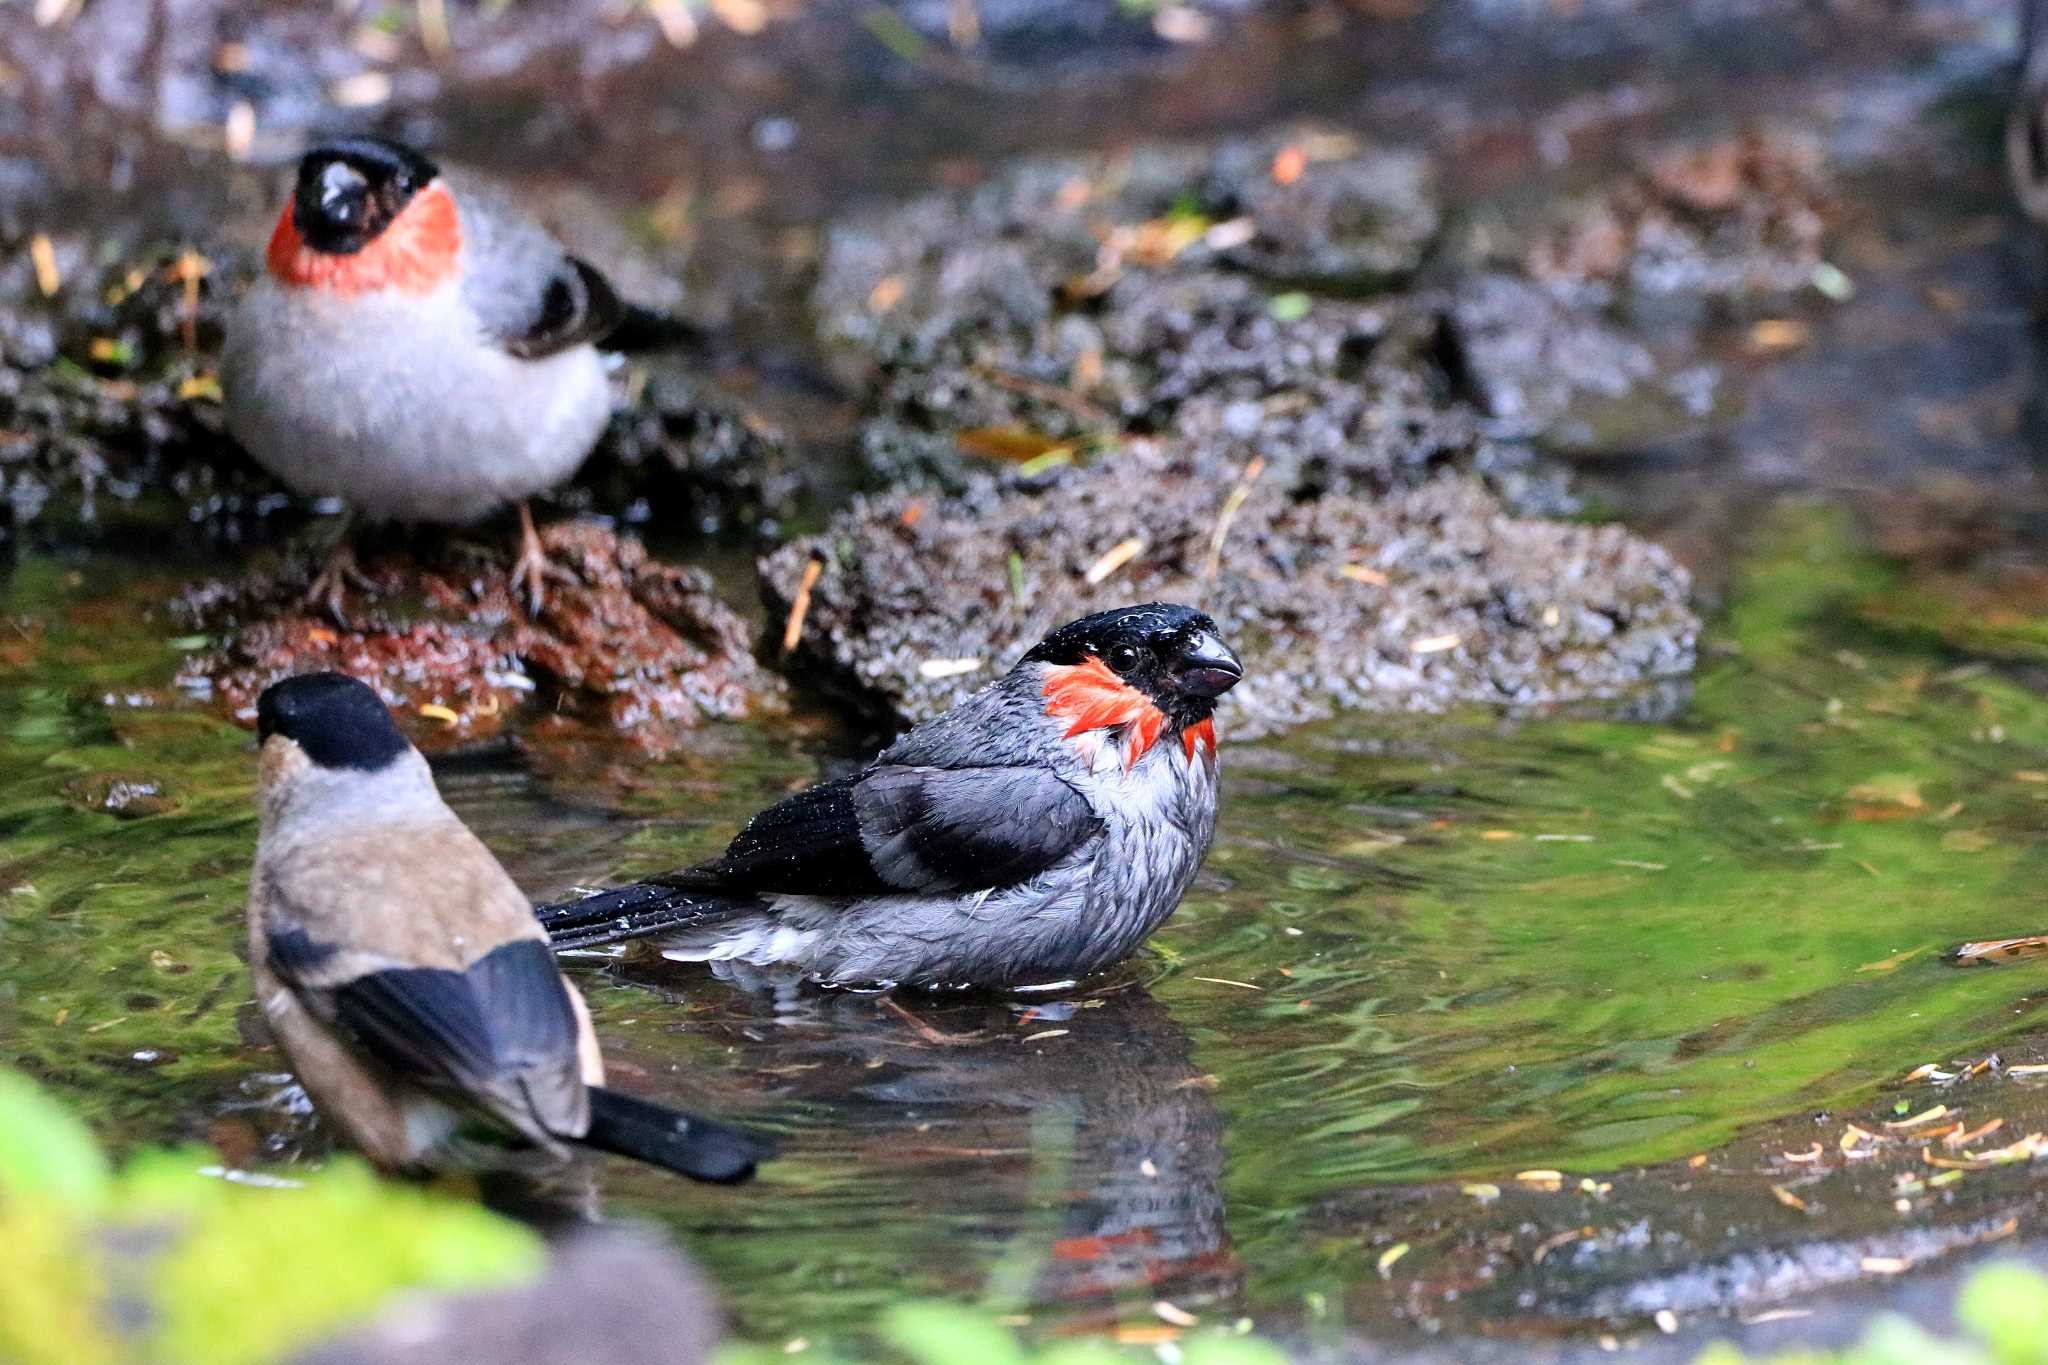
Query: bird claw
{"points": [[336, 577], [532, 569]]}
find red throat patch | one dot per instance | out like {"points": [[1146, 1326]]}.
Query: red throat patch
{"points": [[413, 255], [1202, 732], [1090, 697]]}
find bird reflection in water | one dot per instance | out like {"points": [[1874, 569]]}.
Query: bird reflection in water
{"points": [[1072, 1139]]}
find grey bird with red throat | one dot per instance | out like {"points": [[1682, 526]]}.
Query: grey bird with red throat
{"points": [[420, 349], [405, 976], [1037, 832]]}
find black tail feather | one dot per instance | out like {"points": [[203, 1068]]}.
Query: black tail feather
{"points": [[631, 912], [640, 330], [649, 329], [698, 1148]]}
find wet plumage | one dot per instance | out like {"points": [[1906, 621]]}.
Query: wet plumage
{"points": [[1037, 832]]}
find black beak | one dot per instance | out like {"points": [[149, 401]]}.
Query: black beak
{"points": [[1208, 668]]}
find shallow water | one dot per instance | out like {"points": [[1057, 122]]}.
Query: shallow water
{"points": [[1425, 948]]}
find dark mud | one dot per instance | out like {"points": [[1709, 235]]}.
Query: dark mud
{"points": [[624, 643]]}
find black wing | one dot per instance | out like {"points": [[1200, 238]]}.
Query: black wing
{"points": [[896, 828], [500, 1036], [577, 305]]}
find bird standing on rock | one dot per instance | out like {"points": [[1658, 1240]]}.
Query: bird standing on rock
{"points": [[420, 349], [405, 975], [1038, 831]]}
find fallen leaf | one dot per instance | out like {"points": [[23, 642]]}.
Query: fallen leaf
{"points": [[1925, 1116], [1993, 951], [1778, 334], [1016, 444]]}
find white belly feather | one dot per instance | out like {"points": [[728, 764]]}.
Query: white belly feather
{"points": [[398, 406]]}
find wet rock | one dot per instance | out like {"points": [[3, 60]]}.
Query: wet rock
{"points": [[1732, 218], [680, 445], [1323, 211], [107, 386], [634, 1301], [1025, 39], [1295, 205], [1073, 301], [624, 642], [129, 796], [1527, 356], [1425, 598]]}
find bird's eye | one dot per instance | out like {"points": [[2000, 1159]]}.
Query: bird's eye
{"points": [[1123, 658]]}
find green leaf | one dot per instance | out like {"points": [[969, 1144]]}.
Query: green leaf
{"points": [[2007, 1305], [1891, 1340], [947, 1334], [329, 1253], [1289, 307], [1233, 1351], [44, 1149]]}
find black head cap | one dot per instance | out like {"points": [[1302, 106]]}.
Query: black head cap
{"points": [[1173, 654], [350, 189], [339, 722]]}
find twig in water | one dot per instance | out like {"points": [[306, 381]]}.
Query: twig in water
{"points": [[800, 606]]}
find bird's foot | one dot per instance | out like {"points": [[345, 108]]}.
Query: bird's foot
{"points": [[336, 577], [532, 569]]}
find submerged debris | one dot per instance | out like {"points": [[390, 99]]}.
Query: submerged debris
{"points": [[1466, 603], [127, 796], [626, 641]]}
